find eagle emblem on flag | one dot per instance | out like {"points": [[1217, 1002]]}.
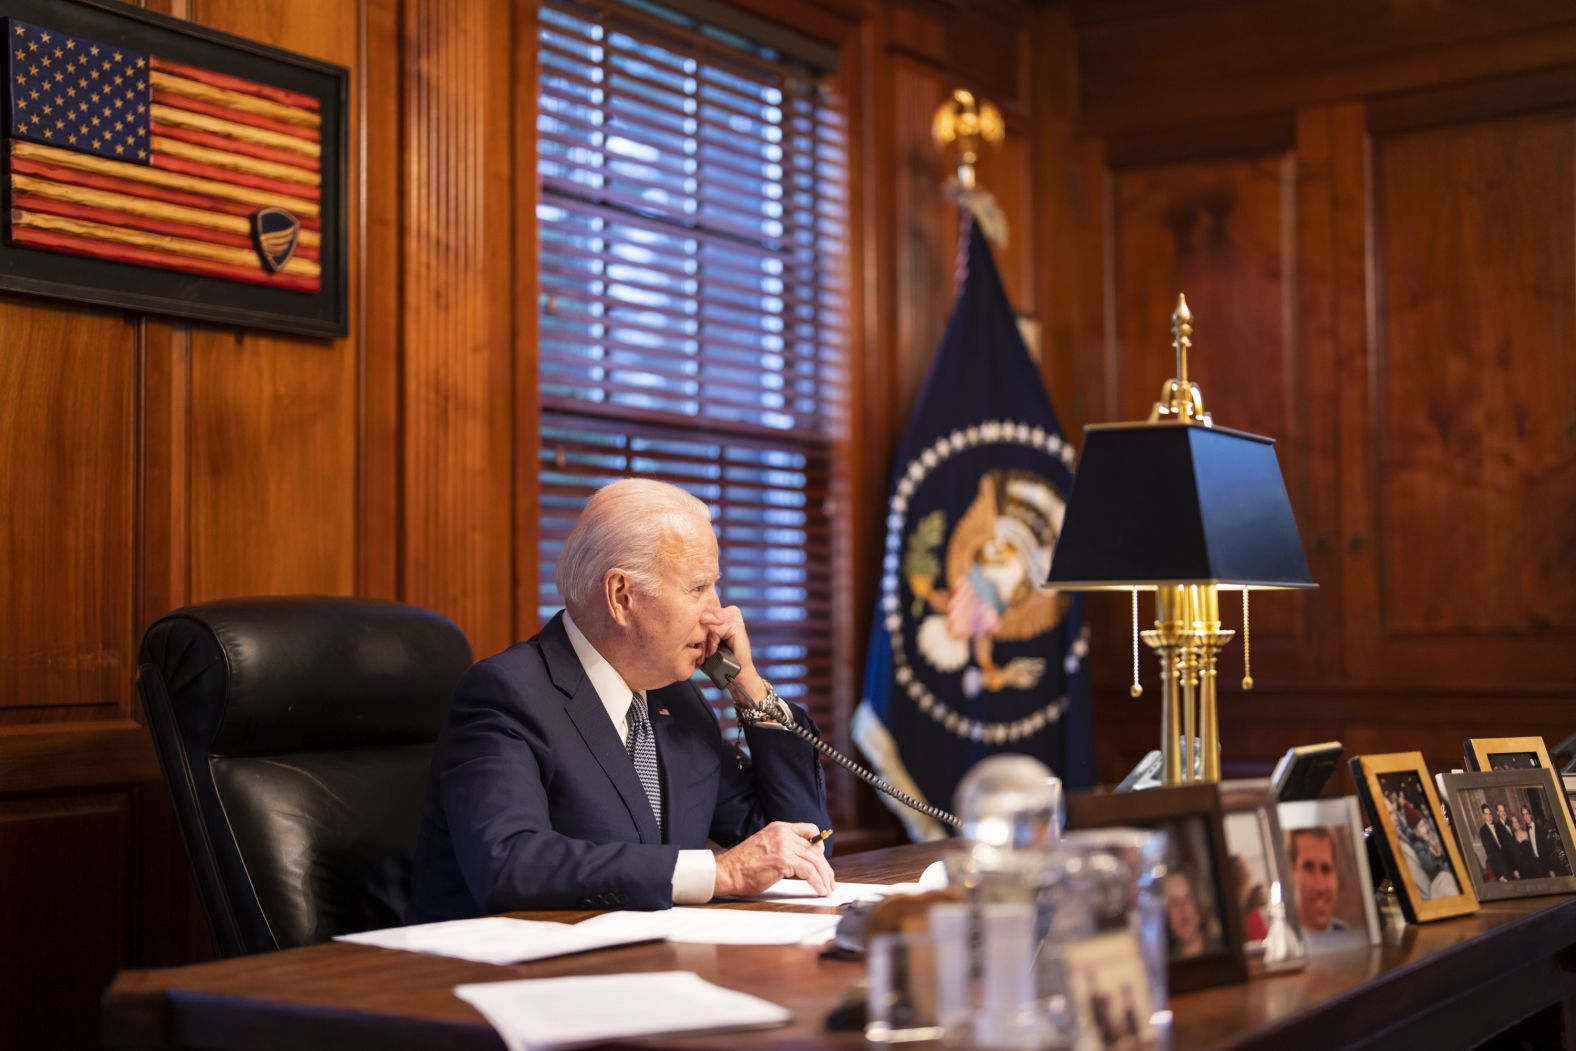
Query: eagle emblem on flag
{"points": [[987, 589]]}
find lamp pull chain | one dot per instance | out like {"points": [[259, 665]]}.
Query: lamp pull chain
{"points": [[1247, 646], [1137, 689]]}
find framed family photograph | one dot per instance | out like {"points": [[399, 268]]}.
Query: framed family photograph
{"points": [[1510, 753], [1511, 829], [1331, 884], [1409, 828], [1260, 876], [1203, 927]]}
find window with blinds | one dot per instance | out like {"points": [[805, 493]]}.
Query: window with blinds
{"points": [[692, 319]]}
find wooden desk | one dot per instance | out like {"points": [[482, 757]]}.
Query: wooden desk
{"points": [[1446, 985]]}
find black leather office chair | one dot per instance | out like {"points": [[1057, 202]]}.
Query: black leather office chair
{"points": [[295, 735]]}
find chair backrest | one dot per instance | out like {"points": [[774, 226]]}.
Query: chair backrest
{"points": [[295, 735]]}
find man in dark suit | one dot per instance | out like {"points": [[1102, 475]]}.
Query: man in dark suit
{"points": [[582, 769], [1496, 847], [1543, 847]]}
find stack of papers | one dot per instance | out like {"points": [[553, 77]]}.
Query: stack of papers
{"points": [[499, 939], [728, 926], [799, 892], [542, 1013]]}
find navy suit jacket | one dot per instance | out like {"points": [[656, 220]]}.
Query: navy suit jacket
{"points": [[534, 802]]}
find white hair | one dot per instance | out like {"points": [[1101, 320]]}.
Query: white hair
{"points": [[625, 525]]}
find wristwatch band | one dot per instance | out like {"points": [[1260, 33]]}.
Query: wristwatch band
{"points": [[771, 710]]}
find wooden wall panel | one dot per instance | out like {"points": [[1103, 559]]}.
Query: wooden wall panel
{"points": [[925, 253], [66, 525], [273, 484], [1210, 62], [1474, 300], [459, 555], [273, 418], [46, 844]]}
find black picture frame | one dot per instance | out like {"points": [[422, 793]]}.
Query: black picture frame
{"points": [[102, 282], [1469, 792], [1168, 809]]}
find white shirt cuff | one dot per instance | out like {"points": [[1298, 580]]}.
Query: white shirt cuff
{"points": [[694, 877]]}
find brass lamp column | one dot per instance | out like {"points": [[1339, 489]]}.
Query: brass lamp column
{"points": [[1181, 507]]}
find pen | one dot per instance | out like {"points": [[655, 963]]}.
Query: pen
{"points": [[825, 835]]}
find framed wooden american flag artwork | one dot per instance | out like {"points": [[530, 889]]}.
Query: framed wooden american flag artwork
{"points": [[160, 166]]}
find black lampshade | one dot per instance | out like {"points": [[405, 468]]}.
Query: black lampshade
{"points": [[1174, 503]]}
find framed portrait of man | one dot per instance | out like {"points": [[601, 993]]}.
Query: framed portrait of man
{"points": [[1331, 885]]}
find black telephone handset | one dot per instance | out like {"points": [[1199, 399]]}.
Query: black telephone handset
{"points": [[723, 667]]}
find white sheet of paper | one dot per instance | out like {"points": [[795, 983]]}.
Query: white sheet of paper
{"points": [[799, 892], [537, 1014], [499, 939], [719, 926]]}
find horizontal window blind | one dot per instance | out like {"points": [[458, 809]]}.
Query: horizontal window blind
{"points": [[692, 323]]}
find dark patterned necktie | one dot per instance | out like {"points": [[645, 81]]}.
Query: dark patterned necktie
{"points": [[643, 750]]}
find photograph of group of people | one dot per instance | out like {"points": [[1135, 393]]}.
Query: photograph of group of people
{"points": [[1420, 841], [1516, 839]]}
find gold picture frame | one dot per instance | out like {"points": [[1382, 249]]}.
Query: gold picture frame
{"points": [[1418, 849], [1480, 754]]}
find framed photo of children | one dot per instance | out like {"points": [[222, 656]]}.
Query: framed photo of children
{"points": [[1420, 856], [1509, 753], [1511, 828], [1203, 925]]}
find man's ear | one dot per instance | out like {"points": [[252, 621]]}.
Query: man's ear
{"points": [[618, 591]]}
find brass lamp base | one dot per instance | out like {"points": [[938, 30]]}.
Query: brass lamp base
{"points": [[1187, 636]]}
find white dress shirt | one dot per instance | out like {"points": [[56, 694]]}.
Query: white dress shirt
{"points": [[695, 874]]}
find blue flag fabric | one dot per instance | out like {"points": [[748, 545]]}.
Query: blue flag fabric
{"points": [[968, 656]]}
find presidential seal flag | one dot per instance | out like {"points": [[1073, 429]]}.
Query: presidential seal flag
{"points": [[969, 656]]}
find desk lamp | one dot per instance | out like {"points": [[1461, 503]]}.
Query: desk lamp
{"points": [[1184, 508]]}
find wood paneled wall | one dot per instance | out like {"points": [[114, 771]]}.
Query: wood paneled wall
{"points": [[1369, 208]]}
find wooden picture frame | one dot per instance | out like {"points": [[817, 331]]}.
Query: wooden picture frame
{"points": [[1191, 817], [235, 210], [1420, 856], [1512, 753], [1521, 868], [1354, 880], [1259, 872]]}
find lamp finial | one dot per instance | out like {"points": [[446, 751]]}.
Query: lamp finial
{"points": [[1181, 335], [1180, 399]]}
